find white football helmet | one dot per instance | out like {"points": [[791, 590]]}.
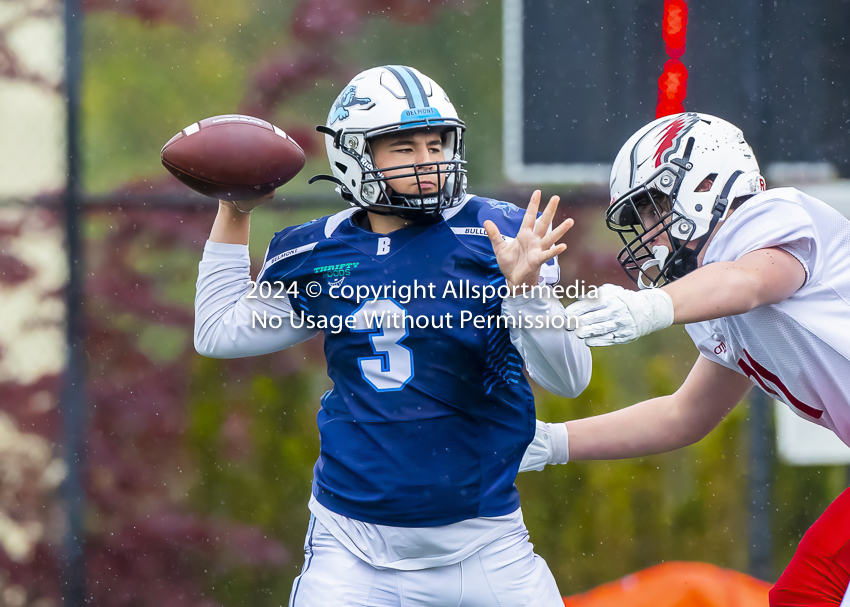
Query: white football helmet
{"points": [[384, 100], [701, 164]]}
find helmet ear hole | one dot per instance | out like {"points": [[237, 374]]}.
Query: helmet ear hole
{"points": [[706, 184]]}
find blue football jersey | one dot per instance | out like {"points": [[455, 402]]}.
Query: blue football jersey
{"points": [[429, 416]]}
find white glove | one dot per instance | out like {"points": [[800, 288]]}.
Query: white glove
{"points": [[619, 316], [551, 445]]}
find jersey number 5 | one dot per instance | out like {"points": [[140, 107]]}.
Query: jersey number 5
{"points": [[392, 366]]}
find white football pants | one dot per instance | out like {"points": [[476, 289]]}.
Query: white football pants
{"points": [[505, 573]]}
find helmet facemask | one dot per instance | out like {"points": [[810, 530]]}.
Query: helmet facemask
{"points": [[627, 216], [375, 190], [450, 176], [639, 217]]}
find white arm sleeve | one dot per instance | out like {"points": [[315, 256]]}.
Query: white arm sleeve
{"points": [[555, 358], [225, 321]]}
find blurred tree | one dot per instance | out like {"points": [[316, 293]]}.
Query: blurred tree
{"points": [[286, 62], [199, 470], [145, 544]]}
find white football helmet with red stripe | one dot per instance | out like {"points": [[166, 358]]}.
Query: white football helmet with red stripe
{"points": [[702, 164]]}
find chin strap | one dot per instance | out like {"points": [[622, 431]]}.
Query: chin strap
{"points": [[328, 131], [721, 203], [341, 189], [336, 136], [660, 254], [330, 178]]}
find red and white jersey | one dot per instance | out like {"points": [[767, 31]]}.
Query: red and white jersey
{"points": [[797, 351]]}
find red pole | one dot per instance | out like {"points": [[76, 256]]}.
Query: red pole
{"points": [[673, 83]]}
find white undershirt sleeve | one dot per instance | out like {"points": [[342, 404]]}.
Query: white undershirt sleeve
{"points": [[227, 318], [555, 358]]}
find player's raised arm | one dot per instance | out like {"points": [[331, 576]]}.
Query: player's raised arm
{"points": [[555, 359], [232, 223], [227, 304], [239, 160], [521, 258]]}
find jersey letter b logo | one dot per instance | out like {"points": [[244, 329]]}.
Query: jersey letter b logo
{"points": [[383, 246]]}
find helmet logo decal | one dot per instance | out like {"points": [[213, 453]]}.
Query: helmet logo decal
{"points": [[346, 99], [672, 135]]}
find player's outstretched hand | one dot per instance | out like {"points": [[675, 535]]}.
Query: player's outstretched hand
{"points": [[246, 206], [520, 259], [551, 445], [619, 316]]}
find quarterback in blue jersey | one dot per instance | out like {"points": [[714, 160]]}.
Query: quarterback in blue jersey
{"points": [[413, 499]]}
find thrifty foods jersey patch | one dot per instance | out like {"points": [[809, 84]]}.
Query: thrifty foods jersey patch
{"points": [[336, 270]]}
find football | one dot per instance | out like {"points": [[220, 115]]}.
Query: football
{"points": [[232, 157]]}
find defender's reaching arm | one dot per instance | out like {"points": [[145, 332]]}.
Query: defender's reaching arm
{"points": [[653, 426], [555, 359], [618, 316]]}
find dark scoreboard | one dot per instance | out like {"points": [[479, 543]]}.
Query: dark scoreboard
{"points": [[581, 76]]}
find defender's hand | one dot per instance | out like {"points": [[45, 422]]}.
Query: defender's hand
{"points": [[246, 206], [551, 445], [521, 258], [620, 316]]}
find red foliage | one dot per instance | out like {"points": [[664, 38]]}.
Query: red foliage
{"points": [[10, 229], [33, 406], [143, 544], [13, 271], [40, 576], [323, 27], [320, 21], [164, 553], [149, 11], [281, 77], [146, 547]]}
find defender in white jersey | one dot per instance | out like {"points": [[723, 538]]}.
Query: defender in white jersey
{"points": [[761, 279]]}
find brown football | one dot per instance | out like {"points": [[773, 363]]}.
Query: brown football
{"points": [[232, 157]]}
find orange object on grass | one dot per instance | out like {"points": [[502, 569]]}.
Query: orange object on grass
{"points": [[677, 585]]}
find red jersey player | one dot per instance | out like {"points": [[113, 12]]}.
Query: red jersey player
{"points": [[761, 281]]}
